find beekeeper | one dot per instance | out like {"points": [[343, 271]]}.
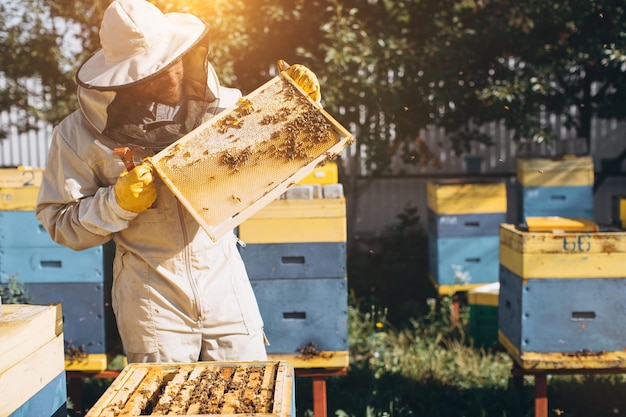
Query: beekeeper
{"points": [[177, 295]]}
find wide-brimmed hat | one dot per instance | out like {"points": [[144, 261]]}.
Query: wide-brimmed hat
{"points": [[138, 41]]}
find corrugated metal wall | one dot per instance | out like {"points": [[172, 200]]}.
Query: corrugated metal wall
{"points": [[28, 148]]}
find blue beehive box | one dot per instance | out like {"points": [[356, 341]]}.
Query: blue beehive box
{"points": [[572, 201], [561, 298], [555, 187], [463, 262], [79, 280], [84, 314], [295, 260], [299, 313], [465, 225]]}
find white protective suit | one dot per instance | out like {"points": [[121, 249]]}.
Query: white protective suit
{"points": [[177, 296]]}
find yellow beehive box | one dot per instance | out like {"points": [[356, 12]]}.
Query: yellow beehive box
{"points": [[562, 254], [297, 221], [325, 174], [557, 223], [31, 358], [19, 188], [485, 295], [454, 197], [547, 172], [200, 389]]}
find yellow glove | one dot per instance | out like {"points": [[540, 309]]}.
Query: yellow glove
{"points": [[135, 190], [304, 77]]}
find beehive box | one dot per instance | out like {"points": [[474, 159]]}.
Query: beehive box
{"points": [[19, 188], [297, 221], [32, 377], [200, 389], [295, 260], [239, 161], [324, 175], [483, 314], [465, 225], [561, 298], [555, 172], [556, 186], [462, 263], [563, 254], [299, 313], [455, 197], [79, 280], [570, 201]]}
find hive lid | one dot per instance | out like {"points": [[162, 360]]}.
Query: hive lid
{"points": [[239, 161], [556, 224]]}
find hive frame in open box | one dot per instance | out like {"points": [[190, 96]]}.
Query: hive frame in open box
{"points": [[231, 388]]}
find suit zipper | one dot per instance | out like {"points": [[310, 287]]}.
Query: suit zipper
{"points": [[187, 259]]}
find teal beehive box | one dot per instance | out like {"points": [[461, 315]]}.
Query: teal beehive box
{"points": [[483, 314]]}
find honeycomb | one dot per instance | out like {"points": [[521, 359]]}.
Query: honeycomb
{"points": [[202, 389], [232, 165]]}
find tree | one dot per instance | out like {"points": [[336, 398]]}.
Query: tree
{"points": [[388, 68], [34, 72], [518, 61]]}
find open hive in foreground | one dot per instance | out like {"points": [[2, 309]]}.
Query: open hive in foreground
{"points": [[240, 160], [200, 389]]}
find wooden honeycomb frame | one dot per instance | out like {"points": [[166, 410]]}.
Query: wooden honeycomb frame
{"points": [[199, 389], [240, 160]]}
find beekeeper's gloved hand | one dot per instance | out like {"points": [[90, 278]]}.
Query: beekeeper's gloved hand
{"points": [[135, 190], [304, 77]]}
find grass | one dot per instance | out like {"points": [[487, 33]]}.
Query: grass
{"points": [[431, 368]]}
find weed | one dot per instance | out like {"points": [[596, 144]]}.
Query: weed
{"points": [[13, 291]]}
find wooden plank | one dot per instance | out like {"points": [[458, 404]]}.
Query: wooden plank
{"points": [[22, 380], [555, 223], [117, 395], [93, 362], [541, 361], [201, 398], [323, 360], [172, 389], [267, 387], [181, 403], [19, 177], [282, 390], [26, 328], [231, 398], [144, 393], [253, 386]]}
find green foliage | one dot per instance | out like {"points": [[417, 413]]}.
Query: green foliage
{"points": [[521, 61], [388, 68], [35, 70], [392, 268], [13, 291]]}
